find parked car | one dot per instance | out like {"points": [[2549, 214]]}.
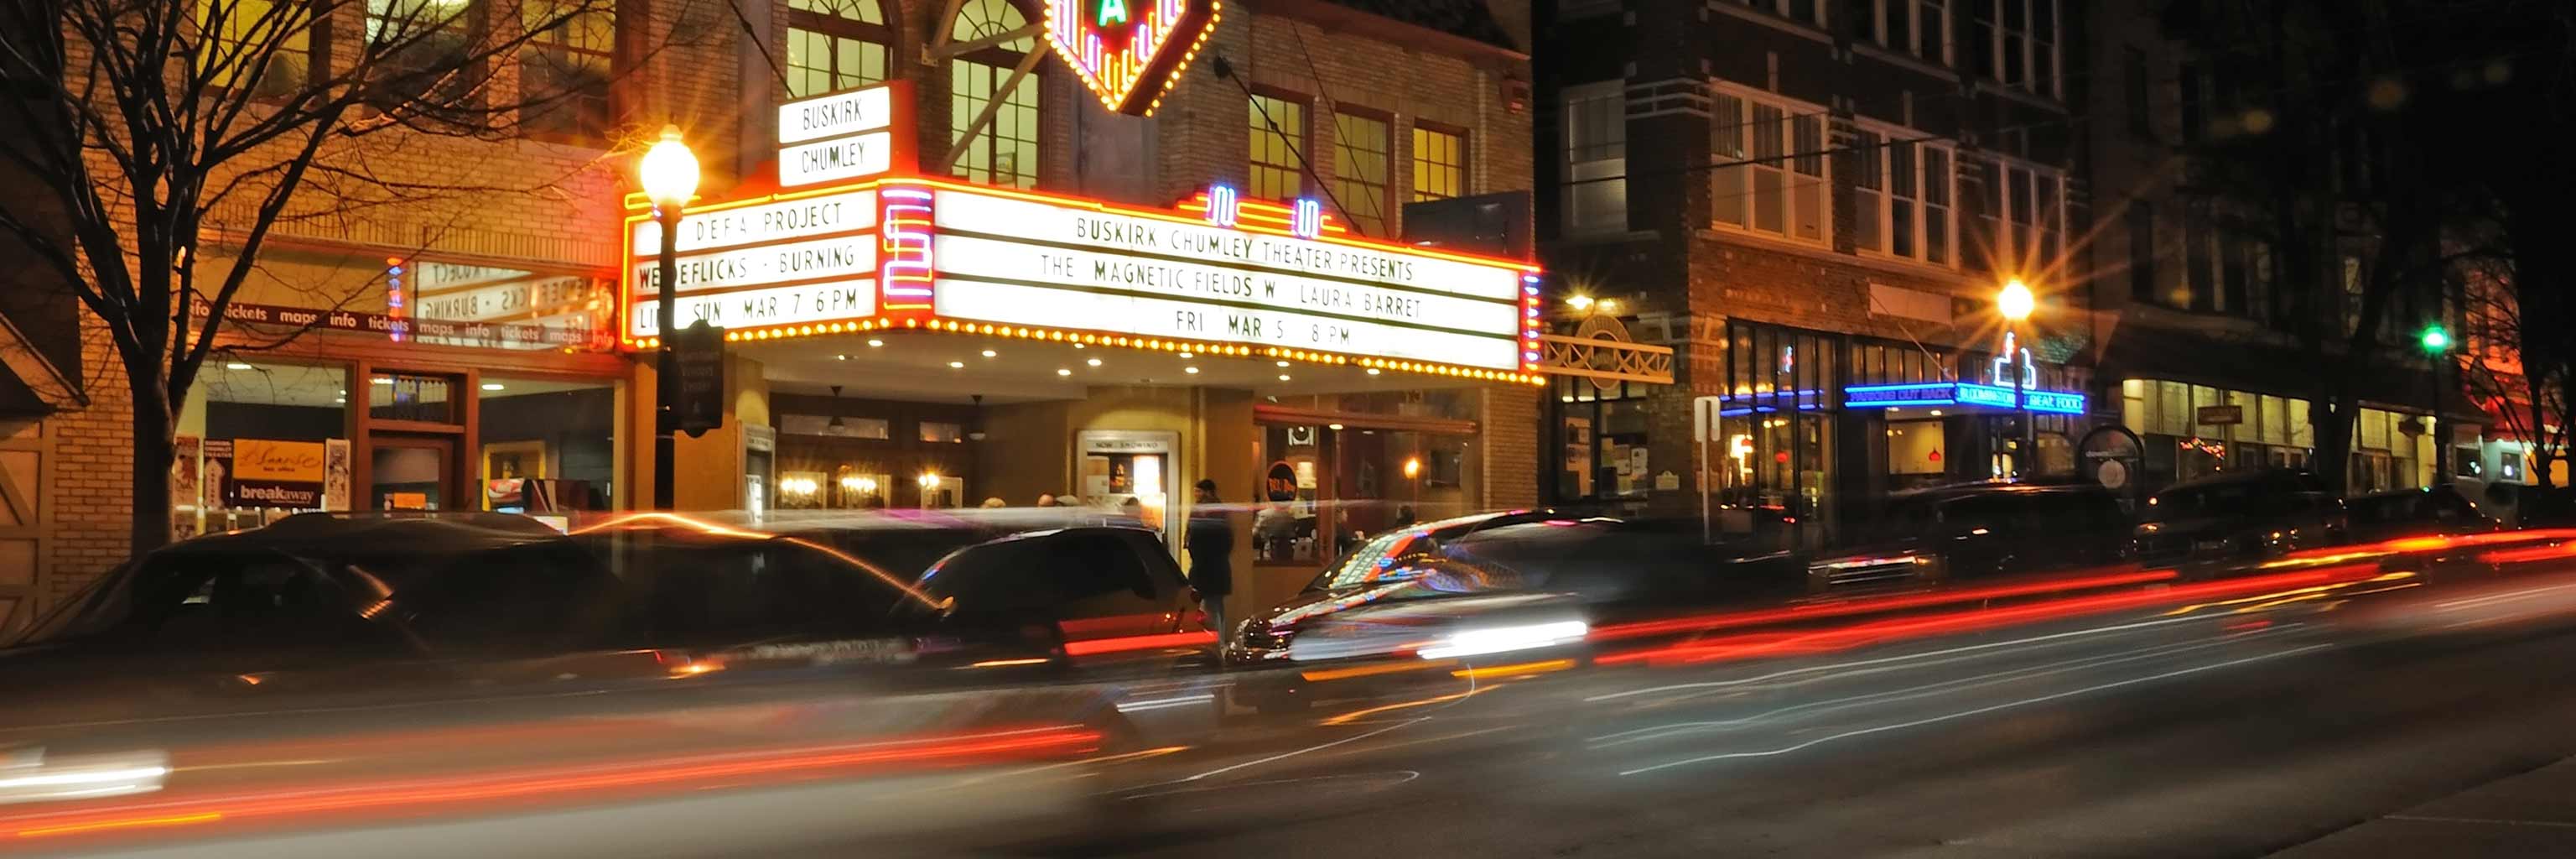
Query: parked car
{"points": [[368, 648], [1976, 530], [2432, 510], [2237, 518]]}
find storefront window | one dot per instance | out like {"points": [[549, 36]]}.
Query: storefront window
{"points": [[259, 440], [410, 474], [1916, 454], [1328, 481], [1602, 429], [545, 444], [404, 397]]}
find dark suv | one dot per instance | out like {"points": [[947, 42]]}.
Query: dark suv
{"points": [[1977, 529], [2421, 512], [2238, 517]]}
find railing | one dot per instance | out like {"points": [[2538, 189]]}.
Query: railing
{"points": [[1615, 360]]}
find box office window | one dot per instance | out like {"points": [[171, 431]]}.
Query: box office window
{"points": [[545, 444]]}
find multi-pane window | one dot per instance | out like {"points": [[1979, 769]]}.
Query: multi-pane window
{"points": [[1360, 171], [1769, 167], [565, 70], [1596, 157], [834, 45], [254, 43], [2135, 89], [2034, 219], [421, 50], [1005, 150], [2142, 252], [1439, 164], [1278, 148], [1901, 199], [2187, 100], [1803, 11], [2020, 43], [1918, 27]]}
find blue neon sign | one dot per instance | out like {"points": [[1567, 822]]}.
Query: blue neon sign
{"points": [[1962, 394], [2059, 402]]}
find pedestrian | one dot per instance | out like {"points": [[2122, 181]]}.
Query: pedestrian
{"points": [[990, 503], [1210, 540], [1047, 499]]}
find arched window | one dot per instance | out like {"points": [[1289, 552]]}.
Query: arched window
{"points": [[1004, 152], [834, 45]]}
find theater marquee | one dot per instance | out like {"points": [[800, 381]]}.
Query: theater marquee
{"points": [[893, 249]]}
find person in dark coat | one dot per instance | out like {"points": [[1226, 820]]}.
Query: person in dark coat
{"points": [[1210, 541]]}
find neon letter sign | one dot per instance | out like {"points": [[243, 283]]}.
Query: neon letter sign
{"points": [[1129, 62]]}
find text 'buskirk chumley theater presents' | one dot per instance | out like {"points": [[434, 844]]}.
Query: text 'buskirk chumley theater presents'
{"points": [[900, 340]]}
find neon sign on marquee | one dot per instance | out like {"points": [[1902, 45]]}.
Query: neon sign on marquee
{"points": [[1129, 52]]}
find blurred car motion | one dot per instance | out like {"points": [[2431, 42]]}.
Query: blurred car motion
{"points": [[2416, 512], [1976, 530], [1512, 587], [330, 653], [2235, 518]]}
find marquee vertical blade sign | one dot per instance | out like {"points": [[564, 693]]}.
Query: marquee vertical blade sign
{"points": [[1129, 52]]}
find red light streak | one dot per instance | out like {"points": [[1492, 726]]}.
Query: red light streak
{"points": [[414, 794], [1876, 604], [1138, 642], [1842, 638]]}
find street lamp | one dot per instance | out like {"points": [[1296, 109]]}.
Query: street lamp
{"points": [[2437, 348], [670, 174], [2015, 303]]}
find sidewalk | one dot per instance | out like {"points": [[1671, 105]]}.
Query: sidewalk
{"points": [[2532, 814]]}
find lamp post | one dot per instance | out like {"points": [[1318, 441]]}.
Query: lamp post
{"points": [[2014, 302], [2437, 348], [670, 174]]}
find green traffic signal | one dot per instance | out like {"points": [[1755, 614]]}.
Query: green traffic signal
{"points": [[2436, 340]]}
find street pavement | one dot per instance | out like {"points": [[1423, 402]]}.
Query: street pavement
{"points": [[2386, 718]]}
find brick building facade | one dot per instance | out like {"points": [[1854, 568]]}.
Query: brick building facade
{"points": [[1800, 198], [547, 209]]}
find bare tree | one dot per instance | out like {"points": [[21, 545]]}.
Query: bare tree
{"points": [[2319, 125], [148, 128]]}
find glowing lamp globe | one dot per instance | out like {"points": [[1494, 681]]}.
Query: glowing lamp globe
{"points": [[2015, 301], [669, 170]]}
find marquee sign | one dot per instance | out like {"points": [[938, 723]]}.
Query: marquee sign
{"points": [[1129, 52], [842, 135], [1026, 260], [874, 245]]}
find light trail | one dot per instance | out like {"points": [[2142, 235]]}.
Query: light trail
{"points": [[1927, 690], [2042, 699], [1887, 660]]}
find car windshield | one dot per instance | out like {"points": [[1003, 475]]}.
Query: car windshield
{"points": [[1374, 562]]}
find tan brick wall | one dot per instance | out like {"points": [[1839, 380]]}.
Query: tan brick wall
{"points": [[93, 463], [1509, 433]]}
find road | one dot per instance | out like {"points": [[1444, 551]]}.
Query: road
{"points": [[2242, 726], [2153, 741]]}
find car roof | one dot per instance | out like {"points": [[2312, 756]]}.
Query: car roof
{"points": [[2266, 475], [2017, 489], [361, 534]]}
